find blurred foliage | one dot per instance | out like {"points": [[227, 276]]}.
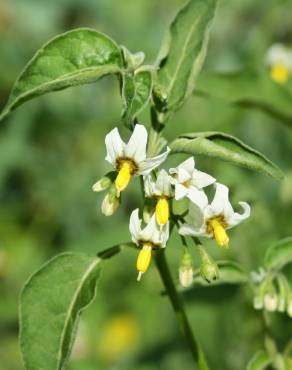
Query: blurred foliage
{"points": [[52, 152]]}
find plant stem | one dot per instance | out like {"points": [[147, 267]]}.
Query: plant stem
{"points": [[179, 310]]}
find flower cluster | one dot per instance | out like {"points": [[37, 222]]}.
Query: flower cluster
{"points": [[205, 219]]}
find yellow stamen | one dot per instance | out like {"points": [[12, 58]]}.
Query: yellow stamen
{"points": [[219, 233], [162, 211], [280, 73], [144, 259], [124, 176]]}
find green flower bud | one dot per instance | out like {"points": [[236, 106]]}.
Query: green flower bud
{"points": [[110, 202], [132, 61], [186, 273], [209, 269], [105, 182]]}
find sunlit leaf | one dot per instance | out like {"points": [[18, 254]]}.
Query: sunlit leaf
{"points": [[259, 361], [183, 53], [279, 254], [50, 305], [226, 147], [249, 88], [74, 58]]}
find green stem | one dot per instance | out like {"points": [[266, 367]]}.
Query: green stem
{"points": [[179, 310]]}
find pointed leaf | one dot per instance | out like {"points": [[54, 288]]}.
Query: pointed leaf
{"points": [[137, 88], [74, 58], [279, 254], [183, 53], [259, 361], [249, 88], [226, 147], [51, 303]]}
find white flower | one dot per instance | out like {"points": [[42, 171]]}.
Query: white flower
{"points": [[189, 182], [270, 302], [279, 59], [212, 220], [150, 237], [130, 159], [160, 189]]}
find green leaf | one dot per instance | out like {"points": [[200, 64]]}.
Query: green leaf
{"points": [[50, 305], [248, 88], [74, 58], [183, 53], [259, 361], [230, 272], [226, 147], [137, 88], [279, 254]]}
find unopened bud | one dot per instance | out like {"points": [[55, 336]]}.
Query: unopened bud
{"points": [[270, 302], [258, 303], [186, 273], [209, 269], [110, 203], [105, 182], [132, 61], [289, 308]]}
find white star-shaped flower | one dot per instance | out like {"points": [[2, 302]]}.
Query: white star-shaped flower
{"points": [[130, 159], [189, 182], [160, 189], [212, 220], [279, 59], [152, 236]]}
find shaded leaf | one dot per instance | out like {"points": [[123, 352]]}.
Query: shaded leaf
{"points": [[259, 361], [249, 88], [74, 58], [137, 89], [226, 147], [279, 254], [183, 53], [50, 305]]}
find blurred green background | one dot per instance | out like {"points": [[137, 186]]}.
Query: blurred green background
{"points": [[52, 151]]}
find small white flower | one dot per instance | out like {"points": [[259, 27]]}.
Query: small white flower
{"points": [[160, 189], [212, 220], [189, 182], [270, 302], [279, 59], [130, 159], [150, 237]]}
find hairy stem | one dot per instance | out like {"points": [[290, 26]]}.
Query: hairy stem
{"points": [[179, 310]]}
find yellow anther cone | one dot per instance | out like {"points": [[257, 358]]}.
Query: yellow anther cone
{"points": [[143, 260], [220, 234], [280, 73], [124, 177], [162, 211]]}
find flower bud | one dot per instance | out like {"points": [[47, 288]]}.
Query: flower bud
{"points": [[209, 269], [104, 183], [110, 202], [289, 308], [186, 270], [271, 302], [132, 61]]}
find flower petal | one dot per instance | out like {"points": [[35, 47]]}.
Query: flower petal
{"points": [[197, 197], [146, 166], [236, 218], [163, 185], [149, 185], [165, 235], [114, 146], [152, 231], [188, 165], [201, 179], [136, 147], [196, 216], [180, 191], [221, 200], [190, 230], [135, 226]]}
